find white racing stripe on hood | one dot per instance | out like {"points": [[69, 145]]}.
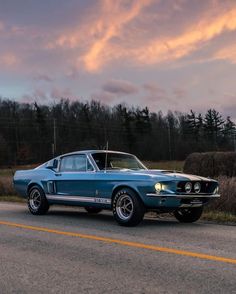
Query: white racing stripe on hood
{"points": [[187, 177]]}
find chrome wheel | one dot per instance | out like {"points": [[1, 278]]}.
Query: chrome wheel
{"points": [[128, 209], [35, 199], [125, 207]]}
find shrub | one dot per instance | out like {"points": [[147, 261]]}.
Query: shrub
{"points": [[211, 164]]}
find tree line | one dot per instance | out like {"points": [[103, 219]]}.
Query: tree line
{"points": [[34, 133]]}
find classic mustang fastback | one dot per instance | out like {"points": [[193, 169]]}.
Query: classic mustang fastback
{"points": [[118, 181]]}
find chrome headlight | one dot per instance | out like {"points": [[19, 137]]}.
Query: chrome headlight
{"points": [[158, 188], [197, 187], [188, 187]]}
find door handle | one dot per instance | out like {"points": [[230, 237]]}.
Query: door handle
{"points": [[57, 175]]}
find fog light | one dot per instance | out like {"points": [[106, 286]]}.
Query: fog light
{"points": [[188, 187]]}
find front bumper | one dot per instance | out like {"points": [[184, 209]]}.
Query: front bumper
{"points": [[178, 200], [184, 196]]}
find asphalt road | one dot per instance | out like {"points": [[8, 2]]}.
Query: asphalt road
{"points": [[81, 253]]}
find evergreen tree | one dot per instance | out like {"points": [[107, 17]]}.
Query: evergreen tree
{"points": [[213, 125]]}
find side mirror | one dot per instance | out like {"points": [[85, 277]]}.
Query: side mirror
{"points": [[52, 164]]}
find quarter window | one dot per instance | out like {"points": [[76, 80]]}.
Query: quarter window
{"points": [[75, 163]]}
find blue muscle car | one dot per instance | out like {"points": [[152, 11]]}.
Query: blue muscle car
{"points": [[118, 181]]}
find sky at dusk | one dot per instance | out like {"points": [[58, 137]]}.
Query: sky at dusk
{"points": [[166, 54]]}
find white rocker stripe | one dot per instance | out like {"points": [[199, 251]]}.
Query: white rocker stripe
{"points": [[78, 198]]}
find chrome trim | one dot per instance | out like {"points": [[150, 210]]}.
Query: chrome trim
{"points": [[78, 198], [183, 196], [198, 196], [191, 205], [92, 161]]}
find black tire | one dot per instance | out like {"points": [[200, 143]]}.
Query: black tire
{"points": [[134, 210], [188, 215], [94, 210], [37, 201]]}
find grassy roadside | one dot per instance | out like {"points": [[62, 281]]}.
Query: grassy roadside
{"points": [[219, 217], [12, 198]]}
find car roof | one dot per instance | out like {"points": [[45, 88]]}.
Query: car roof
{"points": [[93, 151]]}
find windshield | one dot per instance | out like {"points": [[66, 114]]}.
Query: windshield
{"points": [[117, 161]]}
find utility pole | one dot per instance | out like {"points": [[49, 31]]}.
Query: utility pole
{"points": [[169, 140], [234, 140], [54, 145]]}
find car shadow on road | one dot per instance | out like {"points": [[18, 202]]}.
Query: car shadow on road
{"points": [[78, 216], [106, 217]]}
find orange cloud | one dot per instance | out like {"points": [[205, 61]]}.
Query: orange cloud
{"points": [[192, 39], [115, 32], [228, 53], [95, 37], [110, 25], [9, 60]]}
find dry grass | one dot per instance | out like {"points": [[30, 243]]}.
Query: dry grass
{"points": [[6, 186], [6, 178], [12, 199], [219, 217], [227, 201], [11, 170]]}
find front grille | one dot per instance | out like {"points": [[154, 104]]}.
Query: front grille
{"points": [[206, 187]]}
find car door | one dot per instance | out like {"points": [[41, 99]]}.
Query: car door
{"points": [[75, 179]]}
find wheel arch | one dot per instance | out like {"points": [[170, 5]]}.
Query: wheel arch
{"points": [[125, 186], [32, 184]]}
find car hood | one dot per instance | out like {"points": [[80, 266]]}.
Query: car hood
{"points": [[180, 175], [165, 175]]}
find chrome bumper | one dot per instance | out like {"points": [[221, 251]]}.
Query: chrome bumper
{"points": [[184, 196]]}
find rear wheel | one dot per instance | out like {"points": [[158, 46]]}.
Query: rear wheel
{"points": [[90, 209], [128, 210], [188, 215], [37, 201]]}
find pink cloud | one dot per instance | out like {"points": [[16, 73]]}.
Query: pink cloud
{"points": [[1, 26], [9, 60], [179, 93], [120, 87], [104, 96], [155, 93], [58, 93], [42, 96], [43, 77]]}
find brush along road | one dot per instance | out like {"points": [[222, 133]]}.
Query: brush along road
{"points": [[71, 251]]}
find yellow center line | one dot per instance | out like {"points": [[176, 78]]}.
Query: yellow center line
{"points": [[122, 242]]}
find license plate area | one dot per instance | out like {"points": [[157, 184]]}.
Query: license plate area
{"points": [[193, 201]]}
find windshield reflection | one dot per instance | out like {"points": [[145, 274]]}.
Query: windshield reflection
{"points": [[117, 161]]}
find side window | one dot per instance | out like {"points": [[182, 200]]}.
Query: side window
{"points": [[75, 163]]}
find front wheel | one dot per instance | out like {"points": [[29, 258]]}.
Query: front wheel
{"points": [[188, 215], [37, 201], [128, 210]]}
